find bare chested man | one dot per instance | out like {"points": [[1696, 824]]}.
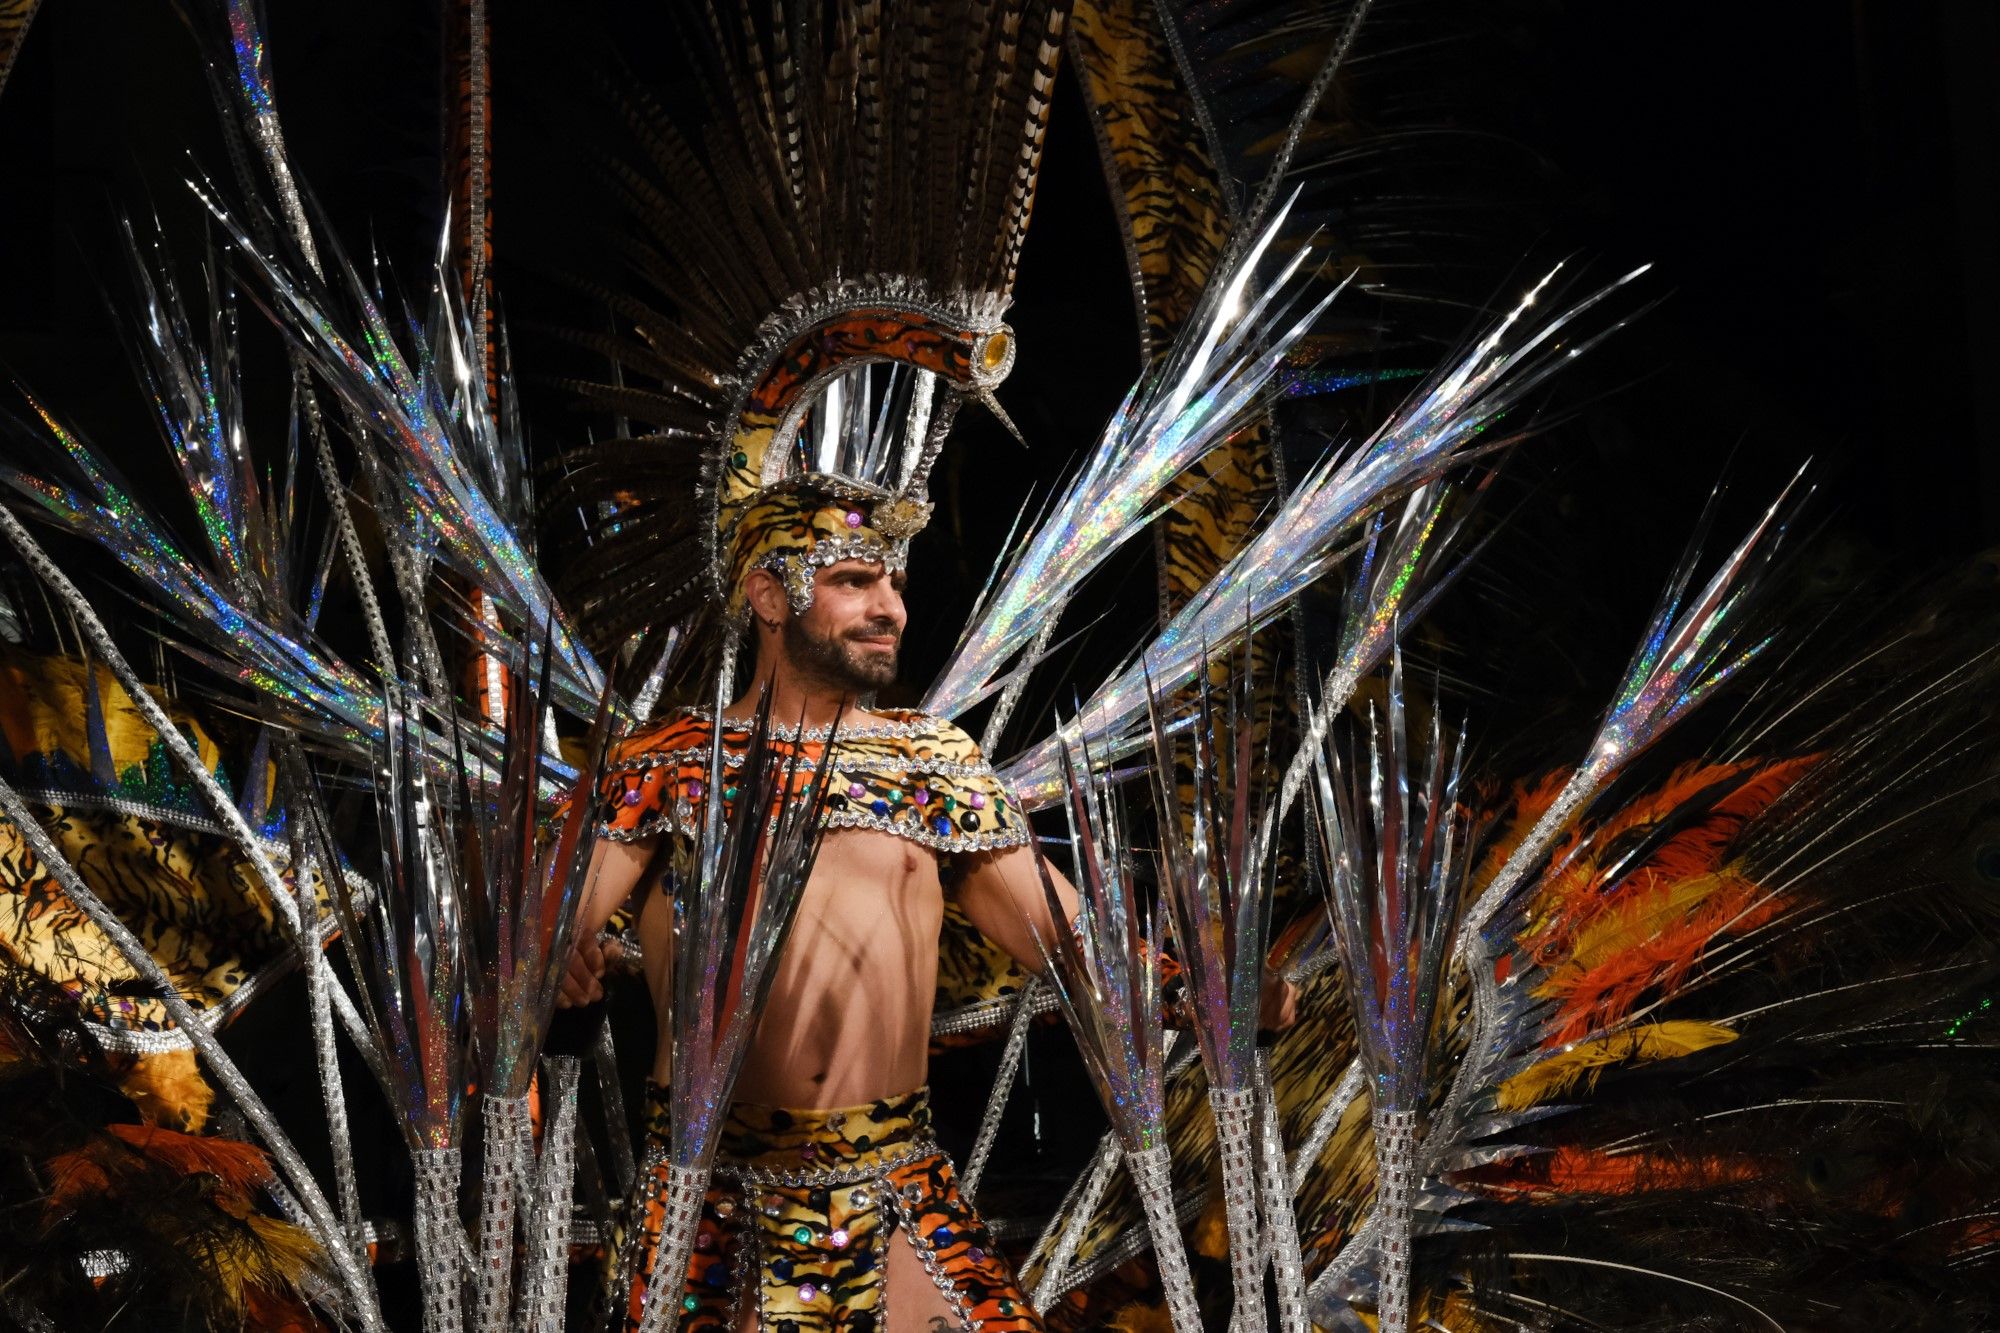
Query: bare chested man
{"points": [[849, 1018]]}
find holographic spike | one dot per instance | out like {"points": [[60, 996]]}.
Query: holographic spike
{"points": [[1399, 573], [404, 941], [439, 448], [525, 890], [1390, 835], [1106, 977], [1689, 650], [1208, 387], [315, 688], [1448, 420], [1218, 896], [1107, 974], [733, 912]]}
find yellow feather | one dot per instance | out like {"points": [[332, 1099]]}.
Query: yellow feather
{"points": [[1641, 919], [1586, 1060]]}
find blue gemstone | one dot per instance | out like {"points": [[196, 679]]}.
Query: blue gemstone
{"points": [[717, 1275], [781, 1269], [942, 1236], [880, 807], [942, 825]]}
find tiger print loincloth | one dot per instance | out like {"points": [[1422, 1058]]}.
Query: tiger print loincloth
{"points": [[804, 1206]]}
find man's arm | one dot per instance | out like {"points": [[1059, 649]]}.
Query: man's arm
{"points": [[615, 870], [1001, 893]]}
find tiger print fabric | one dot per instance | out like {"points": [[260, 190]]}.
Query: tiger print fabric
{"points": [[1171, 209], [805, 1205], [901, 773], [120, 811], [15, 16]]}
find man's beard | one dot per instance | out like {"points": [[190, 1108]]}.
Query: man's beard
{"points": [[835, 662]]}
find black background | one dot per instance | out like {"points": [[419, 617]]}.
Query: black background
{"points": [[1815, 183]]}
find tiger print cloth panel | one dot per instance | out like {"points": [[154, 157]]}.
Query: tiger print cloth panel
{"points": [[805, 1206], [15, 16]]}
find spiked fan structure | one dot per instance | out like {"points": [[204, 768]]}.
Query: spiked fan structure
{"points": [[1393, 888], [736, 895], [1107, 980]]}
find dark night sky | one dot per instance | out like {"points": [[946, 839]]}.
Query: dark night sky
{"points": [[1815, 182]]}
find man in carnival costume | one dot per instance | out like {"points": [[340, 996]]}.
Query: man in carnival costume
{"points": [[819, 441]]}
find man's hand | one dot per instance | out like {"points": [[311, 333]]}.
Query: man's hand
{"points": [[1278, 1008], [583, 983]]}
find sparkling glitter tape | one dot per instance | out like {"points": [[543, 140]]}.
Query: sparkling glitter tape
{"points": [[1395, 1198], [439, 1237], [510, 1142], [1152, 1174], [1235, 1111], [1003, 1084], [1073, 1216]]}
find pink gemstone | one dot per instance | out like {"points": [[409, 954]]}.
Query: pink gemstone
{"points": [[856, 790], [977, 1255], [633, 796], [809, 1151], [695, 789], [923, 796], [807, 1291], [979, 800], [854, 518], [704, 1240], [838, 1238]]}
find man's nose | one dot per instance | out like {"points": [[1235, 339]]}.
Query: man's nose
{"points": [[888, 604]]}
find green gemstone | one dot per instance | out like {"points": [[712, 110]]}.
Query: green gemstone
{"points": [[740, 459], [802, 1234], [689, 1304], [951, 803], [729, 793], [895, 793]]}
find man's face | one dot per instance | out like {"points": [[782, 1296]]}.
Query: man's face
{"points": [[849, 637]]}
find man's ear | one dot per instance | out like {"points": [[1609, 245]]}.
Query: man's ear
{"points": [[766, 594]]}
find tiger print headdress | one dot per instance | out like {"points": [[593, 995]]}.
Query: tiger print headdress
{"points": [[826, 259]]}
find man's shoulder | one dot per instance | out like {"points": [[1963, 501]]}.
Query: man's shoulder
{"points": [[667, 737], [920, 732]]}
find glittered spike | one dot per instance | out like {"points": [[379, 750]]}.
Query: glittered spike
{"points": [[1209, 386], [1688, 651], [1107, 973], [444, 459], [734, 908], [1446, 421]]}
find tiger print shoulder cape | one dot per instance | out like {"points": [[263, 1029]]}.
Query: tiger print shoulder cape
{"points": [[899, 772]]}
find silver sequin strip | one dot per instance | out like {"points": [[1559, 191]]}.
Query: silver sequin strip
{"points": [[1235, 1111], [1152, 1174], [439, 1237], [1395, 1199]]}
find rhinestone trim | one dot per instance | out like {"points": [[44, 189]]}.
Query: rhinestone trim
{"points": [[944, 768], [747, 1173]]}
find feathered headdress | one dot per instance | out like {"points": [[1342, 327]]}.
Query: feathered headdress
{"points": [[825, 264]]}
